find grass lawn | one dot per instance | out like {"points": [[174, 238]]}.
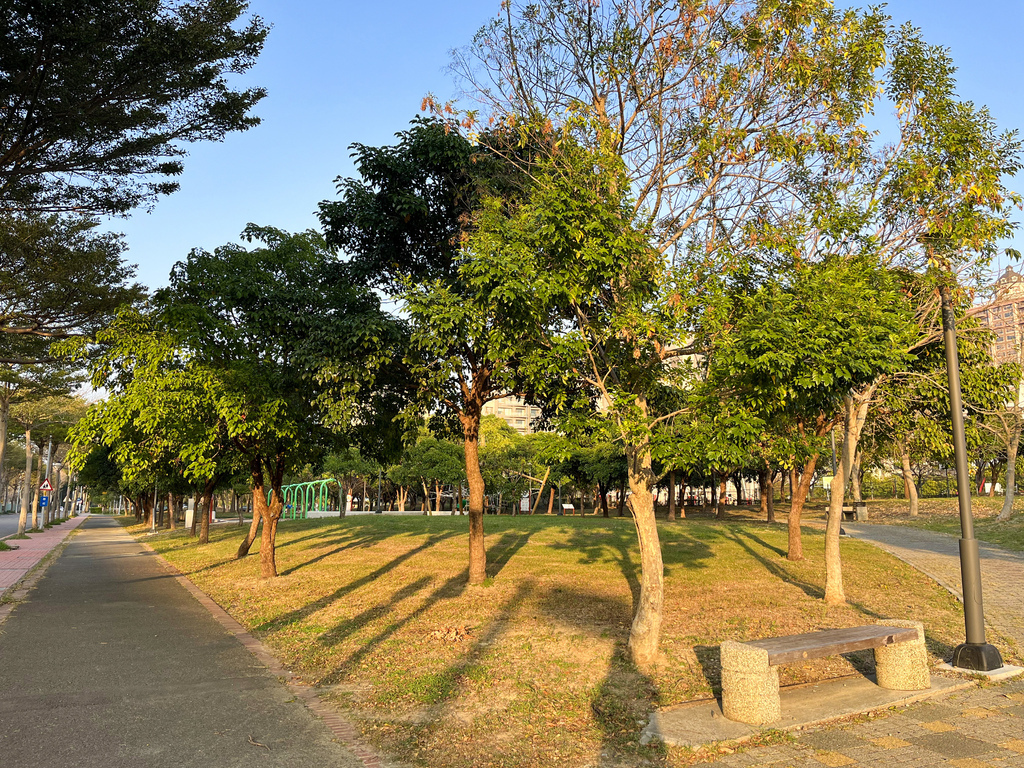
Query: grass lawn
{"points": [[529, 670], [943, 515]]}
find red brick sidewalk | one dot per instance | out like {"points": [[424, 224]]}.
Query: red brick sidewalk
{"points": [[16, 563]]}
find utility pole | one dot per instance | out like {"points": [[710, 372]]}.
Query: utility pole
{"points": [[976, 654]]}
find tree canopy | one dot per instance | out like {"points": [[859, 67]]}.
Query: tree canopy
{"points": [[99, 97]]}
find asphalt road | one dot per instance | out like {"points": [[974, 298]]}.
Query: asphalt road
{"points": [[111, 663], [9, 524]]}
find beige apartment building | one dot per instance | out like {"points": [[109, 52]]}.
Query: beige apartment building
{"points": [[1005, 316], [516, 413]]}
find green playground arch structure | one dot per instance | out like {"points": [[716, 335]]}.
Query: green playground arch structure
{"points": [[302, 498]]}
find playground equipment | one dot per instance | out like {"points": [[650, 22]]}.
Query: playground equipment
{"points": [[301, 499]]}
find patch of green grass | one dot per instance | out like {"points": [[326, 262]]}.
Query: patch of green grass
{"points": [[4, 546]]}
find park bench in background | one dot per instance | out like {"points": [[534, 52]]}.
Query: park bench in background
{"points": [[856, 511], [750, 676]]}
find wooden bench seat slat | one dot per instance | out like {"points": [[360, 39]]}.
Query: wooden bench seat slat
{"points": [[813, 645]]}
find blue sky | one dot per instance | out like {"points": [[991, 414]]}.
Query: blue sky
{"points": [[342, 71]]}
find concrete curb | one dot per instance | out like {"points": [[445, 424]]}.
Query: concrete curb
{"points": [[343, 729]]}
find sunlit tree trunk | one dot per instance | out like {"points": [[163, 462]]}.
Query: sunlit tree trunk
{"points": [[475, 481], [908, 480], [26, 485], [672, 495], [798, 493], [645, 631], [855, 411]]}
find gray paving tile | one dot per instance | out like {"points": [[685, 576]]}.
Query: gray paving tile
{"points": [[954, 745]]}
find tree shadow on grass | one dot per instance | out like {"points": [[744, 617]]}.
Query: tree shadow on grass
{"points": [[498, 554], [618, 546], [626, 695], [775, 568], [361, 542], [310, 608], [504, 549]]}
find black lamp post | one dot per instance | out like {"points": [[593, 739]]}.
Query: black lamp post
{"points": [[976, 654]]}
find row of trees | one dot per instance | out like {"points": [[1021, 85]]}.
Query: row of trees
{"points": [[666, 225]]}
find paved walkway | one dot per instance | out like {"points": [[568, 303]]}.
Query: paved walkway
{"points": [[14, 564], [938, 555], [109, 662], [975, 728]]}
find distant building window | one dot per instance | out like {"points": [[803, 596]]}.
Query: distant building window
{"points": [[520, 422]]}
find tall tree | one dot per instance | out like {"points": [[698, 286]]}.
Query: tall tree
{"points": [[289, 345], [411, 223], [715, 110], [100, 97]]}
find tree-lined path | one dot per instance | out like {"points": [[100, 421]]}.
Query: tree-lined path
{"points": [[937, 555], [110, 662]]}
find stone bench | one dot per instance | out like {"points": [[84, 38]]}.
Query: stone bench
{"points": [[750, 676]]}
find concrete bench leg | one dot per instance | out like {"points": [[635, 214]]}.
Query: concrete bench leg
{"points": [[904, 666], [750, 688]]}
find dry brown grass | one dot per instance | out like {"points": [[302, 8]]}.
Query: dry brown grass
{"points": [[529, 669]]}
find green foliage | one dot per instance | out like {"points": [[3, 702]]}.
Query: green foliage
{"points": [[289, 342], [801, 341], [101, 95], [430, 460], [58, 279], [349, 466]]}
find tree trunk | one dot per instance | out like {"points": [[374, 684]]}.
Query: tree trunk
{"points": [[723, 490], [855, 478], [540, 492], [646, 629], [551, 501], [763, 490], [403, 495], [247, 543], [908, 480], [979, 476], [205, 509], [270, 514], [855, 412], [26, 485], [1011, 473], [771, 496], [995, 476], [426, 497], [475, 479], [604, 498], [798, 492], [672, 495], [5, 415]]}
